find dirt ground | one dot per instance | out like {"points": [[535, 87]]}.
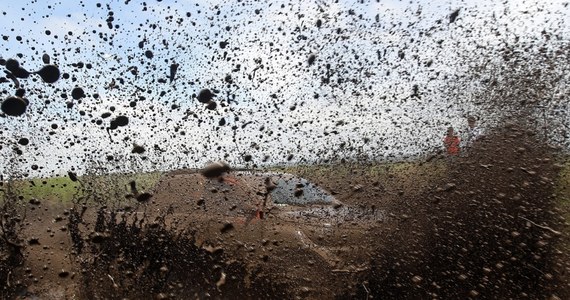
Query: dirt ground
{"points": [[485, 226]]}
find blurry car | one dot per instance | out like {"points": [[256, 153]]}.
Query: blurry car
{"points": [[305, 231]]}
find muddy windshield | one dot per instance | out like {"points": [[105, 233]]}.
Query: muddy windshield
{"points": [[329, 149]]}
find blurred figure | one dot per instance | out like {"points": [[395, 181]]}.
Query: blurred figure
{"points": [[473, 132], [451, 142], [269, 187]]}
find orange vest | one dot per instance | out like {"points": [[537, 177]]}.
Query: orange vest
{"points": [[451, 144]]}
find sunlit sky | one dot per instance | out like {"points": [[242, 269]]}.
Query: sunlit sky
{"points": [[276, 104]]}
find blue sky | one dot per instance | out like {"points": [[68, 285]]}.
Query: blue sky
{"points": [[283, 107]]}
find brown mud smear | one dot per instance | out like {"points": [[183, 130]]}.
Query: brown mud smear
{"points": [[489, 230], [486, 226]]}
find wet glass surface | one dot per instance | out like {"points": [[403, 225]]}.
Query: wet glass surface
{"points": [[170, 149]]}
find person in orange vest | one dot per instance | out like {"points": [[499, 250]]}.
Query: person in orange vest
{"points": [[451, 142]]}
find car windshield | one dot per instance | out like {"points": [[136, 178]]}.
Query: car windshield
{"points": [[327, 149]]}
